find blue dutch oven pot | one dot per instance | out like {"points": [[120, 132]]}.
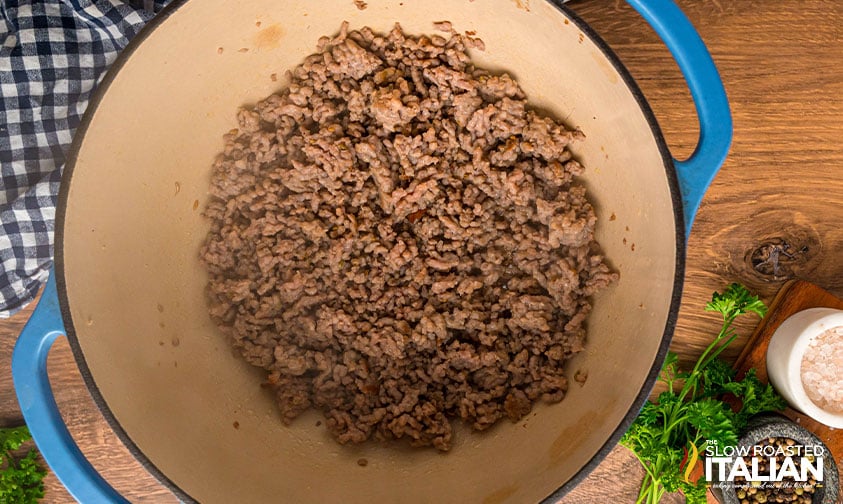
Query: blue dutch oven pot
{"points": [[128, 292]]}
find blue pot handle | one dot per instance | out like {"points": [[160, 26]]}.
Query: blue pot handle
{"points": [[32, 385], [695, 173]]}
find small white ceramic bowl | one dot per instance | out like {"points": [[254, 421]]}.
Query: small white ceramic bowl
{"points": [[784, 359]]}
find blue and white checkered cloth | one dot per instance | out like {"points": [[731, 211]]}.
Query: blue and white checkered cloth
{"points": [[53, 55]]}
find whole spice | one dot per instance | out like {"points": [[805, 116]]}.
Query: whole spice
{"points": [[786, 490], [669, 434]]}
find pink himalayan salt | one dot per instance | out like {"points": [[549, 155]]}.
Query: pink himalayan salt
{"points": [[822, 370]]}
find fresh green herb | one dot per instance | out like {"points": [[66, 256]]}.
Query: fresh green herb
{"points": [[21, 478], [668, 435]]}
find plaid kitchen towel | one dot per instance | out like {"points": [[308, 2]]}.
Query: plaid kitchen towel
{"points": [[53, 54]]}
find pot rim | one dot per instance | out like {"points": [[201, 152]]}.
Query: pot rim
{"points": [[617, 433]]}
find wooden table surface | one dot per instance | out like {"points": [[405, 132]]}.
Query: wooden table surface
{"points": [[780, 188]]}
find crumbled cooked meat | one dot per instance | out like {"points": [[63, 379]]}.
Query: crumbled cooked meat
{"points": [[581, 376], [398, 240]]}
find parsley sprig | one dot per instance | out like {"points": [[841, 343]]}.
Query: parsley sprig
{"points": [[21, 478], [669, 434]]}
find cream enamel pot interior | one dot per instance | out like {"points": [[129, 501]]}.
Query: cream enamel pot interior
{"points": [[128, 289]]}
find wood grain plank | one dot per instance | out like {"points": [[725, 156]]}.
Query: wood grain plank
{"points": [[782, 180]]}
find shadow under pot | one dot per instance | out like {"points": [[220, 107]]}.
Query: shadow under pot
{"points": [[776, 460]]}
